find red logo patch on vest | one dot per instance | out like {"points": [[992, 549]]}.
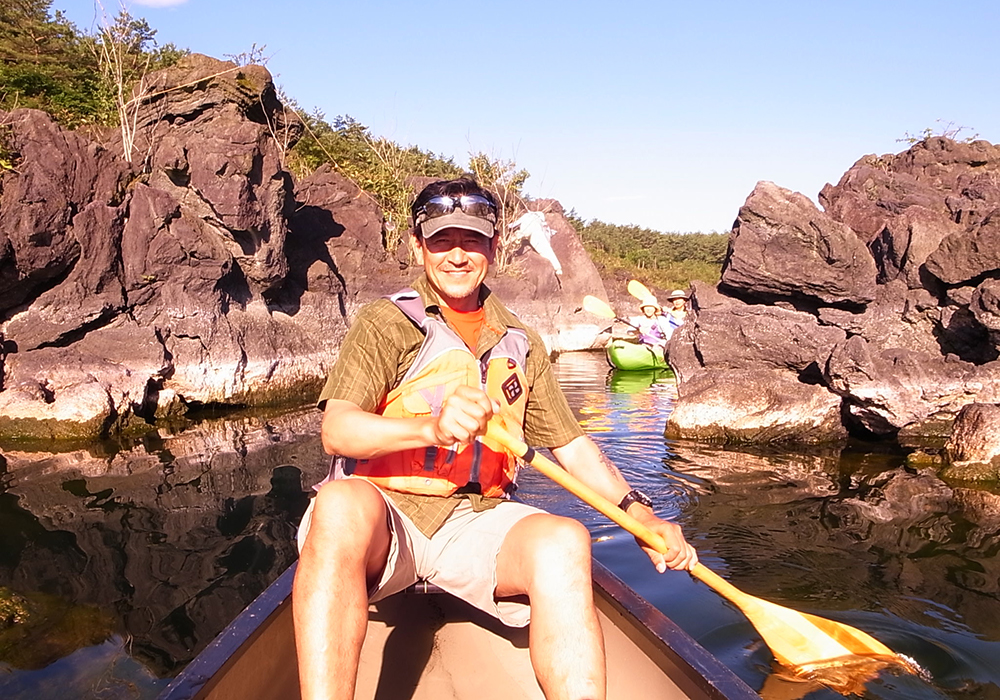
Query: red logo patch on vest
{"points": [[512, 389], [510, 363]]}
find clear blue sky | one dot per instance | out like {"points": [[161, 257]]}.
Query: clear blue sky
{"points": [[661, 114]]}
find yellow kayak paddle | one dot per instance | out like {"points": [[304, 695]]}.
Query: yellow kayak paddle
{"points": [[593, 305], [639, 290]]}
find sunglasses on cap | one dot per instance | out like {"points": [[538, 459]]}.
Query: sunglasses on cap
{"points": [[472, 204]]}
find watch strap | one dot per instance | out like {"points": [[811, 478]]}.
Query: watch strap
{"points": [[635, 496]]}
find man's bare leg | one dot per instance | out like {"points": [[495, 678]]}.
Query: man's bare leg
{"points": [[547, 557], [345, 550]]}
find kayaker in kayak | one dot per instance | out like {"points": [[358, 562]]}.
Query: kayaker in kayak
{"points": [[652, 326], [418, 490], [676, 313]]}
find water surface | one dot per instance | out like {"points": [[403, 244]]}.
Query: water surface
{"points": [[131, 557]]}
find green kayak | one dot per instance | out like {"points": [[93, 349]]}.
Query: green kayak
{"points": [[629, 355]]}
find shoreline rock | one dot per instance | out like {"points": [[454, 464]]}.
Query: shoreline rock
{"points": [[886, 300]]}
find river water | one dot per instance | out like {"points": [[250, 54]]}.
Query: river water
{"points": [[125, 559]]}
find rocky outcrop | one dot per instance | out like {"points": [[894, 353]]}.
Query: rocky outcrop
{"points": [[885, 303], [973, 448], [755, 406], [197, 272], [784, 248], [172, 291]]}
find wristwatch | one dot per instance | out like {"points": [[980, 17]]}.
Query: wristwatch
{"points": [[635, 496]]}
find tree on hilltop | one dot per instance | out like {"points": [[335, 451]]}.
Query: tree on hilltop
{"points": [[46, 63]]}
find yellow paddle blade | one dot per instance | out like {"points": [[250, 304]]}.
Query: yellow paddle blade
{"points": [[805, 643], [799, 640], [597, 307], [638, 290]]}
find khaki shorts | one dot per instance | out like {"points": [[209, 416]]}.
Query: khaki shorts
{"points": [[461, 557]]}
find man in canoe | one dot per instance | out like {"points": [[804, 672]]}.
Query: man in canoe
{"points": [[418, 491]]}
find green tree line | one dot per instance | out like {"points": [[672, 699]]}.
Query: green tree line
{"points": [[664, 260], [47, 63]]}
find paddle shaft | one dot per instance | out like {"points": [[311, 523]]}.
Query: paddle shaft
{"points": [[579, 489]]}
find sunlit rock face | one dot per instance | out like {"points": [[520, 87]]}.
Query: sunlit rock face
{"points": [[886, 299], [973, 448], [157, 279], [190, 270]]}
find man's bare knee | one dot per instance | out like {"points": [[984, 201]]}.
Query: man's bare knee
{"points": [[348, 504], [544, 552], [561, 538], [348, 523]]}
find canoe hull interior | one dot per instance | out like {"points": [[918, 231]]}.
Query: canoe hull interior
{"points": [[435, 647]]}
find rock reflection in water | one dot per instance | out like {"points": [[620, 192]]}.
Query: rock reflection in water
{"points": [[869, 542], [172, 536]]}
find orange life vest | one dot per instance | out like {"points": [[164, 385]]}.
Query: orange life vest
{"points": [[443, 363]]}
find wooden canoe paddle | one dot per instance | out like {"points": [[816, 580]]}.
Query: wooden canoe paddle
{"points": [[804, 643]]}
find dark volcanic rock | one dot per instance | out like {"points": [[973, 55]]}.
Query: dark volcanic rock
{"points": [[905, 330], [898, 318], [213, 134], [782, 247], [906, 241], [173, 292], [729, 334], [889, 389], [985, 305], [957, 180], [973, 447], [47, 204], [338, 229], [966, 255]]}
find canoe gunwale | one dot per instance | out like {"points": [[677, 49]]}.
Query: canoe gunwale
{"points": [[677, 653], [702, 671], [242, 631]]}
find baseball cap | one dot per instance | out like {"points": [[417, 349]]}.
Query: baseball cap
{"points": [[457, 219]]}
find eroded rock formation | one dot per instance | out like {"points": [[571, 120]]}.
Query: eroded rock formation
{"points": [[197, 272], [884, 303]]}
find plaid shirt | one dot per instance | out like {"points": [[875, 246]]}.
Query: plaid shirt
{"points": [[381, 345]]}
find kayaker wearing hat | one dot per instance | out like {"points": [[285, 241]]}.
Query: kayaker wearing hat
{"points": [[418, 491], [653, 328], [677, 313]]}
